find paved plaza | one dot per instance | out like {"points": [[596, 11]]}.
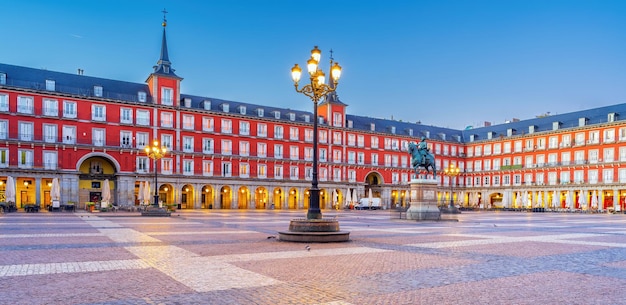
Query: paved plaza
{"points": [[233, 257]]}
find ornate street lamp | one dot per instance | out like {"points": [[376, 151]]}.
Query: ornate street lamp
{"points": [[452, 171], [155, 152], [316, 89]]}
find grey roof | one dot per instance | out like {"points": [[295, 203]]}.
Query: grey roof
{"points": [[81, 85]]}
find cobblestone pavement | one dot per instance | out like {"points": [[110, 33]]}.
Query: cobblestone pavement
{"points": [[234, 257]]}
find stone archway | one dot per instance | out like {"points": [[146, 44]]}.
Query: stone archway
{"points": [[292, 202], [226, 197], [261, 198], [243, 198], [277, 199], [207, 197], [373, 181], [93, 170], [187, 197]]}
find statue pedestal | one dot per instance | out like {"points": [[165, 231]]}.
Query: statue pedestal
{"points": [[423, 200]]}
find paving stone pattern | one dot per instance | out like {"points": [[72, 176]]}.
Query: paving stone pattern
{"points": [[234, 257]]}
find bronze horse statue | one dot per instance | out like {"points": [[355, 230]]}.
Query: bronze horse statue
{"points": [[422, 159]]}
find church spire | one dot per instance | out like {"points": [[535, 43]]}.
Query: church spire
{"points": [[331, 97], [164, 66]]}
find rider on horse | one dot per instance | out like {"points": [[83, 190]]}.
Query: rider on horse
{"points": [[422, 149]]}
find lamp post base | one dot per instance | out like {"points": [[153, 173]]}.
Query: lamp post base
{"points": [[314, 231], [152, 211]]}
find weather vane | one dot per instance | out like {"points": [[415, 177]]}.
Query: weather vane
{"points": [[164, 19]]}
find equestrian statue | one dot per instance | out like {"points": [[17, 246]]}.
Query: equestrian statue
{"points": [[421, 157]]}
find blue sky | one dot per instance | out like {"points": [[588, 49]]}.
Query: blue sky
{"points": [[444, 63]]}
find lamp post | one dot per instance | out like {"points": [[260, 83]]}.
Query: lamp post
{"points": [[315, 90], [155, 152], [451, 171]]}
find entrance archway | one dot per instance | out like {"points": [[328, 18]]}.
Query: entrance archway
{"points": [[186, 197], [292, 202], [278, 198], [207, 197], [226, 198], [243, 198], [261, 198], [93, 169]]}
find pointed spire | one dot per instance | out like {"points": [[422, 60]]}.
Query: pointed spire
{"points": [[164, 66], [331, 97]]}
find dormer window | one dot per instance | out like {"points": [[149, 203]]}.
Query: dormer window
{"points": [[242, 109], [50, 85], [166, 69], [510, 132], [393, 129], [556, 125], [611, 117], [410, 131], [350, 123], [490, 135], [372, 127], [97, 91], [277, 114], [207, 105], [225, 107], [443, 136], [427, 134], [187, 102], [292, 116], [260, 112], [472, 137], [307, 118], [3, 78], [582, 122], [532, 128], [141, 96]]}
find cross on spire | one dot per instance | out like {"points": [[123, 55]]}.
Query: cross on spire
{"points": [[164, 17]]}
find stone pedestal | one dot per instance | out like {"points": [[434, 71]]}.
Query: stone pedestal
{"points": [[314, 231], [423, 200]]}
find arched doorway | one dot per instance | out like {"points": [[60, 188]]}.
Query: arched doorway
{"points": [[166, 192], [243, 198], [207, 197], [261, 198], [278, 199], [292, 202], [94, 169], [186, 197], [307, 199], [226, 198]]}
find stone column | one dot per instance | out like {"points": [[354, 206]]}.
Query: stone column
{"points": [[423, 200]]}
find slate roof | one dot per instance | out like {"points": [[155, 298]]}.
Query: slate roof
{"points": [[82, 86]]}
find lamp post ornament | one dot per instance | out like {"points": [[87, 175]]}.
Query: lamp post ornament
{"points": [[155, 152], [315, 90], [451, 171]]}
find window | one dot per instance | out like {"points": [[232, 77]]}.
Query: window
{"points": [[609, 135], [244, 148], [323, 174], [244, 128], [126, 139], [141, 96], [69, 134], [26, 131], [188, 167], [262, 171], [374, 141], [142, 164], [167, 96], [207, 124], [226, 169], [518, 146], [375, 159], [580, 138], [351, 157], [227, 147], [579, 176], [242, 109], [50, 85], [278, 172], [4, 129], [207, 168], [49, 133], [308, 173], [50, 107], [25, 104], [322, 136], [188, 144], [166, 141], [336, 155], [278, 151], [323, 155], [244, 170], [294, 173], [261, 130], [227, 126], [593, 176], [167, 119], [294, 153], [277, 114], [564, 177], [593, 156], [351, 175], [4, 102], [98, 113], [188, 122], [98, 136], [360, 158], [337, 119], [294, 134], [143, 117], [142, 139], [25, 158], [308, 154], [207, 145], [261, 150], [337, 138], [166, 166], [97, 91], [126, 116], [278, 132], [565, 158], [608, 154], [260, 112], [50, 160], [308, 135], [3, 78], [351, 140], [336, 174], [607, 175], [360, 140], [594, 137]]}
